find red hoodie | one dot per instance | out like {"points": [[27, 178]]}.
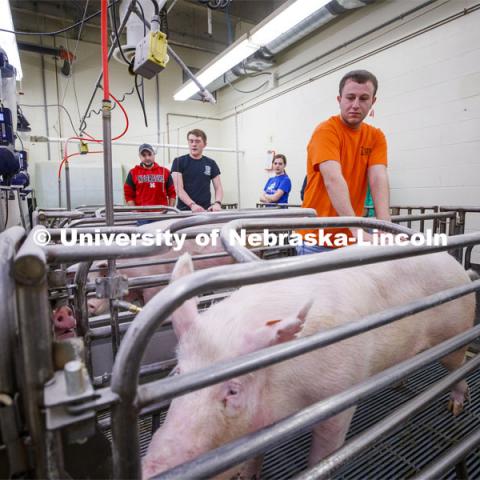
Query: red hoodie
{"points": [[149, 186]]}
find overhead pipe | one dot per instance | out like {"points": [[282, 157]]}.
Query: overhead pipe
{"points": [[263, 58]]}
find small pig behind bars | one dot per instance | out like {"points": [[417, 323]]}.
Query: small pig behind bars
{"points": [[262, 315]]}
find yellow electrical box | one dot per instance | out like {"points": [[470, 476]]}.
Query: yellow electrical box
{"points": [[83, 148], [151, 55]]}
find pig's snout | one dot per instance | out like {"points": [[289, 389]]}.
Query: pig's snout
{"points": [[63, 318], [97, 306], [64, 322]]}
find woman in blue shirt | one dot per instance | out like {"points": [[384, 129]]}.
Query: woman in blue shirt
{"points": [[277, 188]]}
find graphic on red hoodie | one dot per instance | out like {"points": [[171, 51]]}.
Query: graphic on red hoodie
{"points": [[149, 186]]}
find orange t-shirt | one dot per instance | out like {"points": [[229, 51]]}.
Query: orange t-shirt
{"points": [[355, 150]]}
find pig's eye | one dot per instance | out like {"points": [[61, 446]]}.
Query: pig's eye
{"points": [[233, 391]]}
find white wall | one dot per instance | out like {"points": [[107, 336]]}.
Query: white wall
{"points": [[428, 103]]}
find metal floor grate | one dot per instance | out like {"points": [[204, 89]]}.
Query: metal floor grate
{"points": [[403, 453]]}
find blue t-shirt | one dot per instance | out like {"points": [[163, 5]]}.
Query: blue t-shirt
{"points": [[196, 174], [281, 182]]}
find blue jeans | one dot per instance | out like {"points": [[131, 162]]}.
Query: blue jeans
{"points": [[144, 222], [308, 249]]}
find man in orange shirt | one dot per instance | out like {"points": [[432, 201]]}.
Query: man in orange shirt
{"points": [[345, 156]]}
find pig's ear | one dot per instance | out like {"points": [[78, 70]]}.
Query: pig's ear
{"points": [[184, 316], [277, 331], [183, 267]]}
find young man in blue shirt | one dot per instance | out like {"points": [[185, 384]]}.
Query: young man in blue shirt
{"points": [[192, 174]]}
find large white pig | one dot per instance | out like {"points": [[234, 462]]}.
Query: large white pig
{"points": [[262, 315], [98, 306]]}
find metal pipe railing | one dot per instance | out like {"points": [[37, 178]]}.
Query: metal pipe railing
{"points": [[422, 216], [471, 208], [29, 270], [415, 207], [58, 254], [100, 211], [223, 217], [129, 218], [241, 254], [256, 443], [126, 367], [80, 305], [45, 214], [326, 468], [252, 213], [441, 466]]}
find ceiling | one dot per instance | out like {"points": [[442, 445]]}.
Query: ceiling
{"points": [[187, 20]]}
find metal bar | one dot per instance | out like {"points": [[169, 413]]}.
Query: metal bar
{"points": [[146, 281], [67, 186], [45, 110], [56, 233], [56, 253], [59, 184], [109, 215], [354, 447], [237, 161], [145, 371], [81, 311], [224, 216], [253, 444], [127, 364], [417, 207], [44, 214], [206, 93], [421, 216], [110, 53], [98, 213], [20, 208], [29, 271], [3, 224], [245, 213], [241, 253], [40, 139], [444, 463], [463, 208], [107, 161], [128, 218]]}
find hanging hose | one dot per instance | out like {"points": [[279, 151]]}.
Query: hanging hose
{"points": [[66, 156], [73, 155]]}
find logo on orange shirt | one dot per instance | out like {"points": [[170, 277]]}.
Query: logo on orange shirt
{"points": [[365, 150]]}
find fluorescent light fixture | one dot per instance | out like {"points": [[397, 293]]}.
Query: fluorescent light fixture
{"points": [[7, 40], [221, 65], [270, 29]]}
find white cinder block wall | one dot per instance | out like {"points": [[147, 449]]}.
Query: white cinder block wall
{"points": [[428, 66]]}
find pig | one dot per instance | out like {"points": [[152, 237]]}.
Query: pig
{"points": [[64, 322], [258, 316], [98, 306]]}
